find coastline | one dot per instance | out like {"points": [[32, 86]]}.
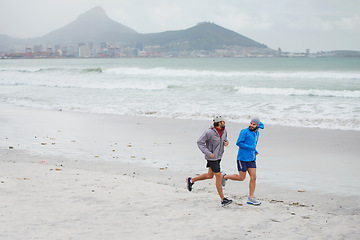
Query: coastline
{"points": [[125, 176]]}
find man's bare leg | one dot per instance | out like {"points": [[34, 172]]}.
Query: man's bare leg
{"points": [[236, 177], [204, 176], [218, 185], [252, 184]]}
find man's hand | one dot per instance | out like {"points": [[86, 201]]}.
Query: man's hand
{"points": [[226, 143], [211, 155]]}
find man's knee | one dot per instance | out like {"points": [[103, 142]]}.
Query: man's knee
{"points": [[253, 178], [241, 176], [218, 175], [210, 175]]}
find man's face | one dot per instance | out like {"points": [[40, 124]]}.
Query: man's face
{"points": [[222, 124], [253, 126]]}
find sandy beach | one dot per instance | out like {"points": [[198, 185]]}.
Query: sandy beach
{"points": [[67, 175]]}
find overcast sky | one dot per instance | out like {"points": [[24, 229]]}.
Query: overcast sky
{"points": [[292, 25]]}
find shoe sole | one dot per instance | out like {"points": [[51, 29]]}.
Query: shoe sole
{"points": [[255, 204]]}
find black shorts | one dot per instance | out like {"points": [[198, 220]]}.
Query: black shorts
{"points": [[214, 165]]}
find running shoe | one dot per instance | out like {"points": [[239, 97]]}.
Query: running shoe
{"points": [[253, 201], [223, 180], [189, 183], [226, 202]]}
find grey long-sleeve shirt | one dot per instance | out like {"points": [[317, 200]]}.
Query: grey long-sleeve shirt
{"points": [[211, 142]]}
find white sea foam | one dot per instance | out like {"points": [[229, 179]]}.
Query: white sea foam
{"points": [[304, 98], [206, 73], [298, 92], [175, 72]]}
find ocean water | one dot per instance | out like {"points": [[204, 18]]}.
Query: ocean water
{"points": [[303, 92]]}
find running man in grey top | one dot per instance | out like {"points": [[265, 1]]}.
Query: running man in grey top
{"points": [[212, 143]]}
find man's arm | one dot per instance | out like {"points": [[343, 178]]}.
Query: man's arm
{"points": [[202, 145], [226, 142], [241, 142]]}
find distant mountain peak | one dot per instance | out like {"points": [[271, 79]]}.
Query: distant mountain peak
{"points": [[91, 26], [204, 23], [94, 12]]}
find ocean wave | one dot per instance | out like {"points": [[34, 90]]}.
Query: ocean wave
{"points": [[50, 70], [173, 86], [160, 71], [340, 121], [90, 70], [53, 69], [101, 86], [173, 72], [298, 92]]}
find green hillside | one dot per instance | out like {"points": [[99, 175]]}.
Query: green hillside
{"points": [[204, 36]]}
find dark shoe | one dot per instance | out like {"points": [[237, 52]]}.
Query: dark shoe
{"points": [[223, 180], [189, 183], [226, 202]]}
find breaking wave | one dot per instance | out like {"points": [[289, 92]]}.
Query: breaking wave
{"points": [[160, 71], [298, 92]]}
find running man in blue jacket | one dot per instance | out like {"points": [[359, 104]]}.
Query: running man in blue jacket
{"points": [[246, 158]]}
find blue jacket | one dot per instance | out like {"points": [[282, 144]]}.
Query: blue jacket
{"points": [[211, 142], [247, 142]]}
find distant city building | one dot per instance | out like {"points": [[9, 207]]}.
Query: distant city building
{"points": [[102, 45], [37, 49], [57, 47], [84, 51], [119, 49], [28, 52], [91, 45]]}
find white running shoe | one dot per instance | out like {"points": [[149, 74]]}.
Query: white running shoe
{"points": [[223, 180], [253, 201]]}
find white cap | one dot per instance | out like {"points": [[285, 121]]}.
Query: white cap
{"points": [[218, 119]]}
